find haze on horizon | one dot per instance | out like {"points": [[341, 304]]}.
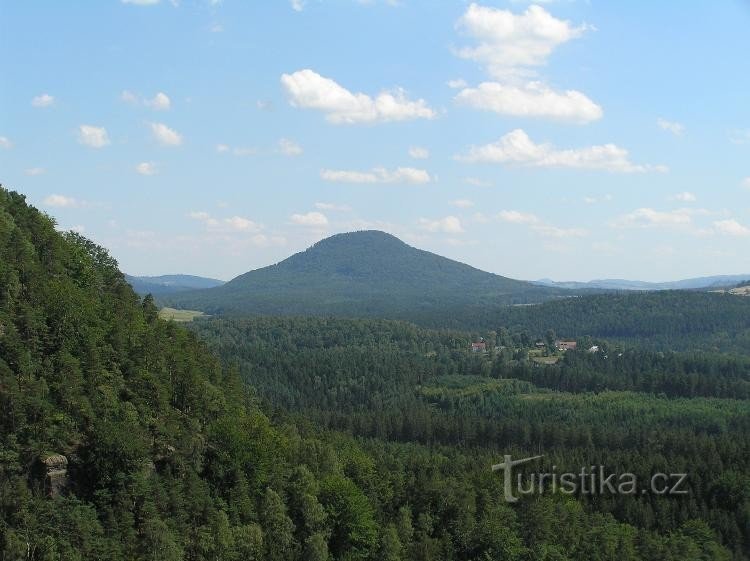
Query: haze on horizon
{"points": [[533, 141]]}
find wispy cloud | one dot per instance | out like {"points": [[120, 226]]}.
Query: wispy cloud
{"points": [[674, 127], [62, 201], [43, 100], [377, 175], [332, 207], [731, 227], [35, 171], [537, 225], [147, 168], [5, 143], [315, 219], [446, 225], [289, 147]]}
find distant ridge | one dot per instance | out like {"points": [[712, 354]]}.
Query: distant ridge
{"points": [[169, 284], [718, 281], [362, 274]]}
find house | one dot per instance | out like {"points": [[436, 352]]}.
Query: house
{"points": [[479, 347], [566, 345], [594, 349], [540, 344]]}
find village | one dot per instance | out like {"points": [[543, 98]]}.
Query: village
{"points": [[541, 352]]}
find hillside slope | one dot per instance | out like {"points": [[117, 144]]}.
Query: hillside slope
{"points": [[367, 273]]}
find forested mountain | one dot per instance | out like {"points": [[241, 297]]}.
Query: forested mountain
{"points": [[167, 284], [362, 274], [123, 438], [667, 320]]}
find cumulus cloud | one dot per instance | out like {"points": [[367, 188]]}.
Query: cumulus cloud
{"points": [[35, 171], [534, 99], [160, 102], [146, 168], [419, 153], [457, 84], [5, 143], [446, 225], [289, 147], [516, 148], [94, 137], [462, 203], [309, 90], [61, 201], [731, 227], [670, 126], [377, 175], [43, 100], [538, 225], [508, 43], [317, 219], [164, 135]]}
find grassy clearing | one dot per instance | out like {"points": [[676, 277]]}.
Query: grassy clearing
{"points": [[172, 314]]}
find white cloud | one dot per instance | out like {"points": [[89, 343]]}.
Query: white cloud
{"points": [[507, 44], [539, 226], [35, 171], [462, 203], [61, 201], [309, 90], [160, 102], [685, 197], [78, 229], [594, 200], [731, 228], [377, 175], [534, 99], [289, 147], [333, 207], [298, 5], [128, 97], [649, 217], [164, 135], [310, 219], [419, 153], [671, 126], [43, 100], [146, 168], [5, 143], [516, 148], [216, 28], [244, 151], [746, 183], [447, 225], [222, 148], [95, 137], [141, 2], [231, 224], [516, 217], [457, 84]]}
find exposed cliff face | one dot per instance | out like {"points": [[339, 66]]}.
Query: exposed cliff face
{"points": [[55, 474]]}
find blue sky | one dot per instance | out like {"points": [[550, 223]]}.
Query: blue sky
{"points": [[569, 139]]}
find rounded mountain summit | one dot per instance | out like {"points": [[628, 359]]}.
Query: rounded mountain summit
{"points": [[363, 274]]}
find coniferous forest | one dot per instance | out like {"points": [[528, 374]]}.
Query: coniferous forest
{"points": [[124, 436]]}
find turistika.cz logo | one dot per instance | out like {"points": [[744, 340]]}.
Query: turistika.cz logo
{"points": [[590, 480]]}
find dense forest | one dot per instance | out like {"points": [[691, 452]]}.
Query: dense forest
{"points": [[388, 381], [123, 437]]}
